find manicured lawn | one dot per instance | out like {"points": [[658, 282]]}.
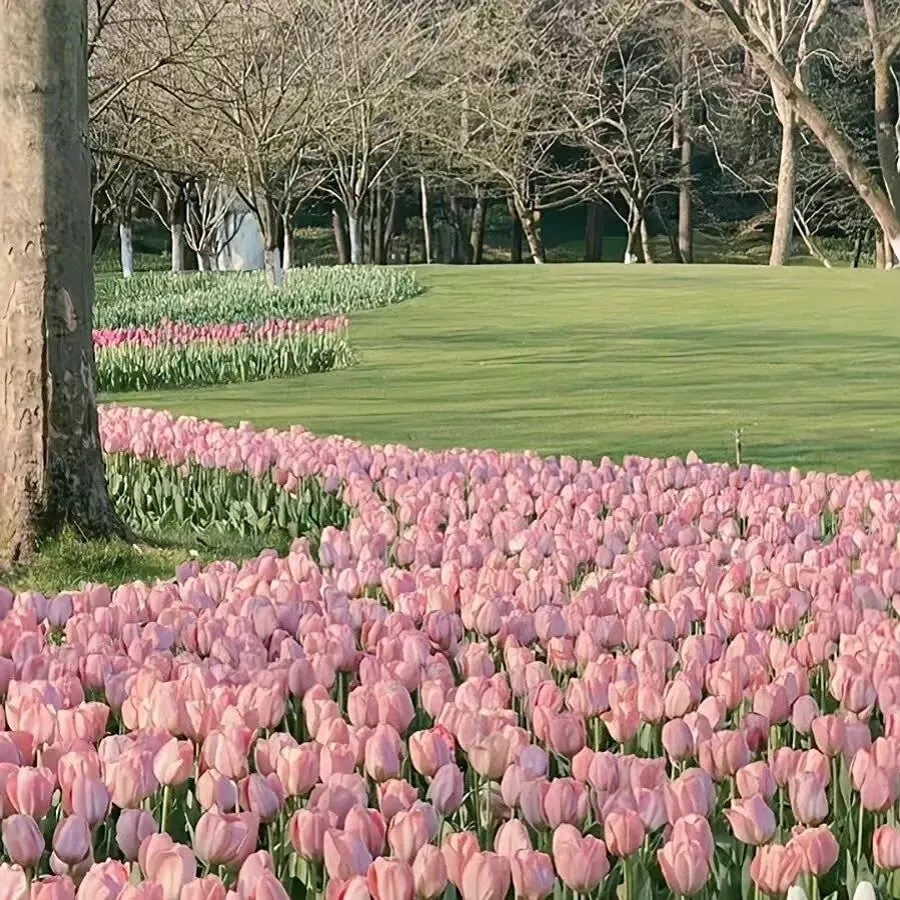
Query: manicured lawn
{"points": [[610, 360]]}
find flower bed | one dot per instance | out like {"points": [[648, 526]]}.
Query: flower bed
{"points": [[504, 675], [173, 355], [226, 298]]}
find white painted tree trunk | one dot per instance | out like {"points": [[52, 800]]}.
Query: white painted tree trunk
{"points": [[126, 249], [178, 248], [426, 219], [354, 224]]}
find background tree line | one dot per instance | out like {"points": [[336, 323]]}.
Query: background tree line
{"points": [[394, 117]]}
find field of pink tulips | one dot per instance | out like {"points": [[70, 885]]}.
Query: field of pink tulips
{"points": [[499, 676], [175, 354]]}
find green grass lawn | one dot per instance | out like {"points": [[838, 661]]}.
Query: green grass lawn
{"points": [[610, 360]]}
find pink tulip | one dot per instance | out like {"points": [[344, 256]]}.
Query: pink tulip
{"points": [[457, 849], [886, 847], [390, 879], [53, 887], [623, 832], [23, 841], [346, 855], [13, 883], [104, 881], [774, 868], [72, 840], [818, 849], [808, 800], [446, 790], [752, 820], [581, 862], [485, 877], [429, 873], [30, 790], [207, 888], [132, 827], [511, 837], [173, 762], [532, 874], [685, 867], [225, 839]]}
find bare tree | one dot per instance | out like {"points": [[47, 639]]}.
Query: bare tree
{"points": [[496, 117], [843, 153], [371, 89], [883, 25], [623, 104], [53, 470]]}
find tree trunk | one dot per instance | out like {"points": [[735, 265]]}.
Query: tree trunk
{"points": [[839, 148], [378, 226], [645, 240], [287, 256], [880, 244], [340, 236], [269, 221], [891, 252], [515, 250], [593, 233], [52, 472], [782, 237], [177, 247], [274, 270], [178, 218], [426, 220], [862, 235], [479, 221], [633, 242], [531, 228], [97, 227], [686, 167], [390, 225], [686, 201], [126, 249], [355, 228], [458, 248], [886, 118]]}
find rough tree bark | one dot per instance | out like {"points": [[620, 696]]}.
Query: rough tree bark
{"points": [[515, 249], [357, 244], [287, 256], [783, 234], [479, 221], [378, 254], [340, 236], [52, 470], [887, 109], [390, 227], [593, 233], [686, 168]]}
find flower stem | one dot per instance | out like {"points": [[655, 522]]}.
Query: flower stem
{"points": [[163, 816]]}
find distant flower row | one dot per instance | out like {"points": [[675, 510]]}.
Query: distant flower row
{"points": [[174, 334], [176, 355]]}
